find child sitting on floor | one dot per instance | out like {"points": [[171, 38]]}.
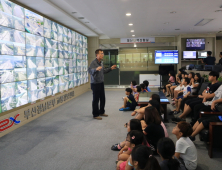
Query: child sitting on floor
{"points": [[143, 88], [129, 101], [136, 95], [152, 127], [186, 92], [185, 149], [142, 158], [147, 84], [133, 124], [133, 139], [166, 150]]}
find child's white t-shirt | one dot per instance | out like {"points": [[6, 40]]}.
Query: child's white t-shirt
{"points": [[186, 90], [188, 152]]}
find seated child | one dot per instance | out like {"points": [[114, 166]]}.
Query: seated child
{"points": [[143, 88], [136, 95], [133, 139], [172, 82], [140, 112], [186, 92], [133, 124], [178, 82], [129, 101], [147, 84], [205, 121], [179, 86], [185, 149], [133, 86], [166, 150], [142, 158], [152, 127]]}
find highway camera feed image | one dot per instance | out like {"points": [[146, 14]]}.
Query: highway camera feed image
{"points": [[38, 57]]}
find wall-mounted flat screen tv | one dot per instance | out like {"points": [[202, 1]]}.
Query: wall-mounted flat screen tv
{"points": [[195, 44]]}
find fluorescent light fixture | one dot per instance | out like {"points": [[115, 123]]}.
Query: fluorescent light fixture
{"points": [[203, 22], [133, 35], [130, 24], [132, 31], [128, 14]]}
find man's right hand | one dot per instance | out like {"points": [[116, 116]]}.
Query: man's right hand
{"points": [[99, 68]]}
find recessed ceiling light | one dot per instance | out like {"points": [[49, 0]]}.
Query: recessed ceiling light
{"points": [[128, 14], [173, 12], [130, 24], [132, 31], [177, 29], [166, 22], [80, 17], [218, 11], [133, 35]]}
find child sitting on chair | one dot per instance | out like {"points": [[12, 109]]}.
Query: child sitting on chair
{"points": [[129, 101], [186, 92]]}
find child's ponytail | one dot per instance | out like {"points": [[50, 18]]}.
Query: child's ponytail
{"points": [[152, 164], [144, 156]]}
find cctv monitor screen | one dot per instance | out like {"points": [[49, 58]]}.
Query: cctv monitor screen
{"points": [[189, 54], [202, 54], [166, 56], [195, 44]]}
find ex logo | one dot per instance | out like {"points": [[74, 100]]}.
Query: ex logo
{"points": [[5, 124]]}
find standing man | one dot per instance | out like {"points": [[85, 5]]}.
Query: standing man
{"points": [[209, 60], [97, 70]]}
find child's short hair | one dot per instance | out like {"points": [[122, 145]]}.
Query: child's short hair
{"points": [[166, 149], [138, 88], [187, 80], [214, 73], [133, 82], [129, 90], [142, 86], [146, 83], [185, 128]]}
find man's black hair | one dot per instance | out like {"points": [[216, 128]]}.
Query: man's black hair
{"points": [[214, 73], [209, 53]]}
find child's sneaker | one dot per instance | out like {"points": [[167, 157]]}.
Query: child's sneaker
{"points": [[176, 112]]}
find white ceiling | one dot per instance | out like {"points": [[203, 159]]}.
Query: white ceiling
{"points": [[108, 17]]}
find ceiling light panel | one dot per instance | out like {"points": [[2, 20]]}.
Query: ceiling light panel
{"points": [[203, 22], [128, 14], [130, 24]]}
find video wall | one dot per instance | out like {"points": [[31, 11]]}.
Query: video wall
{"points": [[38, 57]]}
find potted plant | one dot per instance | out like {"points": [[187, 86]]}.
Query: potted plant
{"points": [[205, 78]]}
